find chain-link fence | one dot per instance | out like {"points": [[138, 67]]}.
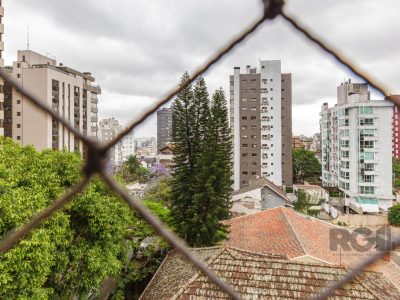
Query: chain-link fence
{"points": [[97, 153]]}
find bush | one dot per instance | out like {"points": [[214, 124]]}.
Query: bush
{"points": [[394, 215]]}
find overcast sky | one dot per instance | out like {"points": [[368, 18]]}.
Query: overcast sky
{"points": [[137, 50]]}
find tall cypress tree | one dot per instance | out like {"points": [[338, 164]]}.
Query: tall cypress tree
{"points": [[183, 164], [213, 180], [202, 157]]}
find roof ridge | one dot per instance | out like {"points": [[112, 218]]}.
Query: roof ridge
{"points": [[251, 214], [294, 232], [265, 255]]}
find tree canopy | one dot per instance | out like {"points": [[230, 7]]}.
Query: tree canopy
{"points": [[305, 165], [72, 252]]}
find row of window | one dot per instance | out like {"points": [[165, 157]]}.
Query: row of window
{"points": [[251, 118]]}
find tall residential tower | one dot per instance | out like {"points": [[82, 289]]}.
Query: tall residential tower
{"points": [[71, 94], [356, 139], [261, 124], [164, 127]]}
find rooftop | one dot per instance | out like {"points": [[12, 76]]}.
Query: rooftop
{"points": [[258, 276], [301, 237]]}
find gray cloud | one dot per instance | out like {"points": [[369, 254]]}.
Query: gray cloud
{"points": [[137, 50]]}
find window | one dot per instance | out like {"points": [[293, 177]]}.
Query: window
{"points": [[254, 109], [271, 89], [253, 117], [344, 164], [367, 155], [244, 127], [245, 154], [18, 113], [253, 136], [18, 101], [367, 190], [366, 121], [345, 175], [244, 137], [253, 100], [367, 178], [244, 145], [18, 125], [244, 100], [18, 65], [244, 108], [367, 132], [254, 154], [18, 75], [365, 110], [244, 118], [369, 167], [18, 137], [253, 127], [254, 145], [244, 173]]}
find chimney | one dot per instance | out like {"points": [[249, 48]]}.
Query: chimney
{"points": [[248, 69]]}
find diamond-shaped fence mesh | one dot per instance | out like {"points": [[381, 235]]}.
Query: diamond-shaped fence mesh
{"points": [[97, 153]]}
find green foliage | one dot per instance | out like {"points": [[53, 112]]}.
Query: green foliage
{"points": [[201, 170], [132, 170], [74, 250], [305, 165], [303, 204], [394, 215], [289, 189]]}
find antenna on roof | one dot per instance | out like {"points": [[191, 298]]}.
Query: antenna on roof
{"points": [[27, 39]]}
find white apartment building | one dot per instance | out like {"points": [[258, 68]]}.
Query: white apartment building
{"points": [[356, 137], [261, 124], [108, 130], [72, 94], [124, 148]]}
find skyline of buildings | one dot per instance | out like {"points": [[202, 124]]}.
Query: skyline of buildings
{"points": [[261, 124], [357, 147]]}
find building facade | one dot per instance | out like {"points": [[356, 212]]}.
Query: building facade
{"points": [[1, 66], [261, 124], [124, 148], [164, 127], [356, 145], [72, 94], [396, 128]]}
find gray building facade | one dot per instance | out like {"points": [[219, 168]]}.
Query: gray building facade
{"points": [[261, 124], [164, 127]]}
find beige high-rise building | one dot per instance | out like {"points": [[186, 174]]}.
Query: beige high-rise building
{"points": [[1, 65], [71, 93], [261, 124]]}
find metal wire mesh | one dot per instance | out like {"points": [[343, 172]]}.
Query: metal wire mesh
{"points": [[96, 158]]}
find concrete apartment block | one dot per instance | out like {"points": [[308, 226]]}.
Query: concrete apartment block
{"points": [[164, 127], [260, 115], [72, 94], [356, 137]]}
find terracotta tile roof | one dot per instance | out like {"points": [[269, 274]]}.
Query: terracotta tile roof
{"points": [[285, 231], [258, 276]]}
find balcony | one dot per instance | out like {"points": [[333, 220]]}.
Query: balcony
{"points": [[94, 100]]}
